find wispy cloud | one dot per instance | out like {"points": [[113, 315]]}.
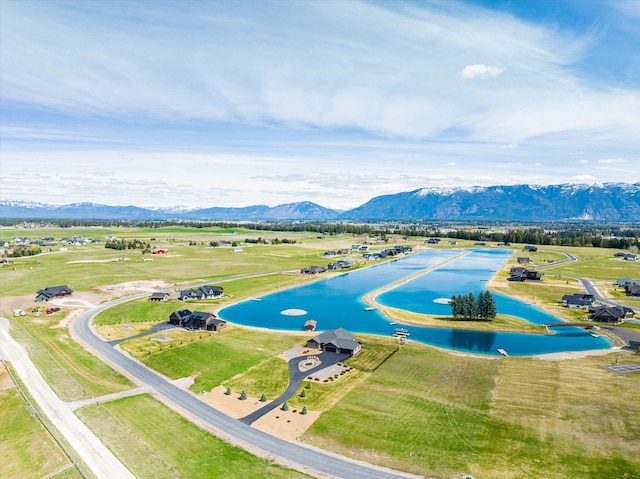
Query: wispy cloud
{"points": [[613, 160], [480, 71]]}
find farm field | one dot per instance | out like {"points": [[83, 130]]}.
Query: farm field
{"points": [[459, 414]]}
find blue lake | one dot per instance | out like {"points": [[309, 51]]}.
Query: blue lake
{"points": [[337, 302]]}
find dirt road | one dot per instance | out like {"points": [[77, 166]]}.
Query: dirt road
{"points": [[88, 447]]}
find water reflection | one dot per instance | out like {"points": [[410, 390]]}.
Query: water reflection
{"points": [[473, 340]]}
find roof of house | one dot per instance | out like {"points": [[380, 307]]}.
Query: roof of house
{"points": [[55, 290], [578, 298], [340, 338], [182, 313], [616, 312], [200, 316]]}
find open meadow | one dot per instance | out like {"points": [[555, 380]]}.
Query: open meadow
{"points": [[414, 408]]}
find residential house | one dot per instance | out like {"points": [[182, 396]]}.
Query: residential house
{"points": [[200, 320], [632, 289], [611, 314], [523, 260], [313, 270], [622, 282], [159, 296], [531, 248], [521, 274], [630, 257], [335, 341], [189, 294], [211, 292], [578, 300], [52, 292], [178, 317], [329, 254]]}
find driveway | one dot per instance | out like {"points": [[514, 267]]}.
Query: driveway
{"points": [[296, 377]]}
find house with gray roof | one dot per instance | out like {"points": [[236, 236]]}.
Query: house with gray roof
{"points": [[578, 300], [335, 341], [622, 282], [51, 292]]}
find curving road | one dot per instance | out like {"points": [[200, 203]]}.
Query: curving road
{"points": [[304, 458]]}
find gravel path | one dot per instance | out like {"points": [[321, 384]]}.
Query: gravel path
{"points": [[88, 447]]}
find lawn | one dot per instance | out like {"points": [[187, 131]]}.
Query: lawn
{"points": [[155, 442], [215, 357], [432, 413], [271, 376]]}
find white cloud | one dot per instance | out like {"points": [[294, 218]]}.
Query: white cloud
{"points": [[613, 160], [480, 71], [451, 163]]}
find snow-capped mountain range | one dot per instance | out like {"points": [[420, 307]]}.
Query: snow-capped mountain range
{"points": [[608, 202]]}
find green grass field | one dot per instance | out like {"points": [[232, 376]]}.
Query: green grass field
{"points": [[155, 442], [429, 412]]}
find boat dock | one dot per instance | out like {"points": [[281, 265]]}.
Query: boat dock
{"points": [[503, 352]]}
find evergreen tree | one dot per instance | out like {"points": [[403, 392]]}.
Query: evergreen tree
{"points": [[304, 410], [263, 398], [243, 395], [490, 306], [470, 307], [285, 406]]}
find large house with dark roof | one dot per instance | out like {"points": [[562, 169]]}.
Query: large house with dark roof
{"points": [[52, 292], [611, 314], [335, 341], [197, 320], [578, 300]]}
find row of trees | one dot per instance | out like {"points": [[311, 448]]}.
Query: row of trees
{"points": [[473, 308], [128, 244]]}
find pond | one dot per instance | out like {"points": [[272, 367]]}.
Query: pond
{"points": [[337, 302]]}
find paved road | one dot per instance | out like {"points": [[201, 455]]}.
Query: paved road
{"points": [[93, 452], [296, 455], [295, 380]]}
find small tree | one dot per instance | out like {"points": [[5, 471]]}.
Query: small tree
{"points": [[304, 410], [228, 391], [285, 406], [263, 398], [303, 394], [243, 395], [308, 386]]}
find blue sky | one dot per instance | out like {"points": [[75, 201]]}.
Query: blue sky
{"points": [[235, 103]]}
